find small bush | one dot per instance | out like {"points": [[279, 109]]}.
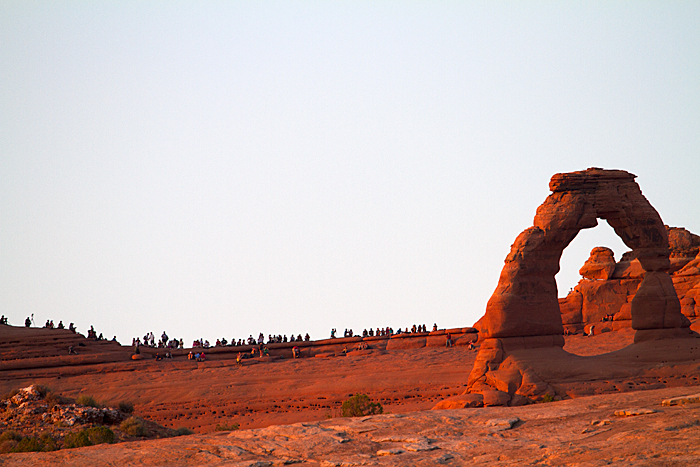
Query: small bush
{"points": [[359, 405], [7, 446], [183, 431], [77, 440], [100, 435], [43, 390], [228, 427], [49, 442], [9, 441], [126, 407], [53, 399], [133, 426], [29, 444], [87, 400], [10, 436], [548, 398]]}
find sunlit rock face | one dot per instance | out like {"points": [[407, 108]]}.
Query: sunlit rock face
{"points": [[525, 301]]}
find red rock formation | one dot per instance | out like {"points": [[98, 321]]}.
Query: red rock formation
{"points": [[524, 313], [591, 300], [600, 265], [525, 301]]}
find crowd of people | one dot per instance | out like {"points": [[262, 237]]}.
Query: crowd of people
{"points": [[384, 332], [149, 340]]}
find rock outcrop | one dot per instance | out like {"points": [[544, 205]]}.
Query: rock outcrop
{"points": [[596, 297], [600, 265], [524, 313]]}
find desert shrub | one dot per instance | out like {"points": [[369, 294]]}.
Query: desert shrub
{"points": [[126, 407], [133, 426], [53, 399], [29, 444], [7, 446], [43, 390], [548, 398], [8, 441], [87, 400], [49, 442], [77, 440], [359, 405], [100, 435], [183, 431], [228, 427], [10, 435]]}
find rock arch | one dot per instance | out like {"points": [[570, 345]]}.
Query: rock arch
{"points": [[522, 325], [525, 300]]}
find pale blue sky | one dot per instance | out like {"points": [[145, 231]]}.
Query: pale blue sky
{"points": [[224, 168]]}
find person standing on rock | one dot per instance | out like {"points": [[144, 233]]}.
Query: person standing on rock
{"points": [[448, 342]]}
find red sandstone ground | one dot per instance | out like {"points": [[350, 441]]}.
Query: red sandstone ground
{"points": [[199, 396]]}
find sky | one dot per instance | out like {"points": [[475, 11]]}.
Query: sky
{"points": [[220, 169]]}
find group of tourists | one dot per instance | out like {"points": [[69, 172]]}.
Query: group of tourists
{"points": [[278, 339], [149, 340], [384, 332]]}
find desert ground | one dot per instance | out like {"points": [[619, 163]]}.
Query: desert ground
{"points": [[289, 409]]}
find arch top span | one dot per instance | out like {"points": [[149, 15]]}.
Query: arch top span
{"points": [[525, 300]]}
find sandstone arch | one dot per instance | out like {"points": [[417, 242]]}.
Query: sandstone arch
{"points": [[521, 333], [525, 300]]}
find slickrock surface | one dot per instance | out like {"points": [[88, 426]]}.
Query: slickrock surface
{"points": [[200, 395], [582, 432]]}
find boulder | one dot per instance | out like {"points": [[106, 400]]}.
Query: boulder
{"points": [[600, 265], [460, 402]]}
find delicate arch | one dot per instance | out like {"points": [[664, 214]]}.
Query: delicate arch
{"points": [[525, 300]]}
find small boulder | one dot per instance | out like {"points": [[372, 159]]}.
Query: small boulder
{"points": [[600, 265]]}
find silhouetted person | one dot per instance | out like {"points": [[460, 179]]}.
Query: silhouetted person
{"points": [[27, 323]]}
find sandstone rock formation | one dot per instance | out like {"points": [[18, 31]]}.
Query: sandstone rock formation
{"points": [[593, 298], [600, 265], [524, 312]]}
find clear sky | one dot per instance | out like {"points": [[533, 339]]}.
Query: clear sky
{"points": [[218, 169]]}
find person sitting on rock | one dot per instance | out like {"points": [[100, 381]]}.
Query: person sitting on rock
{"points": [[158, 357], [265, 351], [434, 326], [71, 327], [471, 346], [168, 355], [333, 333], [71, 351], [364, 333], [239, 358], [60, 325], [295, 351], [27, 322], [307, 337]]}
